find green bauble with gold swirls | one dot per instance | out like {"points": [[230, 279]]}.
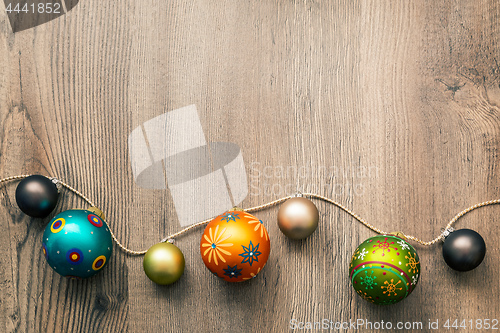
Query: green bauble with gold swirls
{"points": [[384, 269]]}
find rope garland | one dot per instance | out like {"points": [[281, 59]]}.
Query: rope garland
{"points": [[265, 206]]}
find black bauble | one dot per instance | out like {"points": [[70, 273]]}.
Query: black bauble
{"points": [[464, 250], [37, 196]]}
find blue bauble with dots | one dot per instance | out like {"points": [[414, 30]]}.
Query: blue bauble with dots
{"points": [[77, 243]]}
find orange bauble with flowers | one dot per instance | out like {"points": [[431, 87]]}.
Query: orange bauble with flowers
{"points": [[235, 246]]}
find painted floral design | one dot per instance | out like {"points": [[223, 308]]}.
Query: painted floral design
{"points": [[252, 275], [365, 296], [354, 256], [215, 244], [403, 244], [230, 216], [384, 246], [250, 253], [368, 280], [259, 225], [363, 254], [390, 287], [232, 272], [413, 263]]}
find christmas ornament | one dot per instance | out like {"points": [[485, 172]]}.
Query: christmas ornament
{"points": [[464, 249], [298, 218], [164, 263], [384, 269], [37, 196], [77, 243], [235, 246]]}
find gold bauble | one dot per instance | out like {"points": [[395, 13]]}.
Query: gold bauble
{"points": [[298, 218], [164, 263]]}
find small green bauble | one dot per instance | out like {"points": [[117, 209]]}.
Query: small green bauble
{"points": [[164, 263], [384, 269]]}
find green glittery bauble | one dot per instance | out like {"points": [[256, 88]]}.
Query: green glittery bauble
{"points": [[384, 269]]}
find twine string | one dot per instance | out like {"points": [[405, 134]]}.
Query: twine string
{"points": [[172, 236]]}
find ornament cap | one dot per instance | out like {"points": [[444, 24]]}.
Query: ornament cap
{"points": [[236, 209], [97, 212], [398, 234], [446, 232], [57, 183]]}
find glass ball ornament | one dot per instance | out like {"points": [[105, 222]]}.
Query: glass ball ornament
{"points": [[298, 218], [77, 243], [235, 246], [164, 263], [384, 269], [37, 196], [464, 250]]}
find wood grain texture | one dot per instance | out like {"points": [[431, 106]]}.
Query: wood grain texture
{"points": [[390, 107]]}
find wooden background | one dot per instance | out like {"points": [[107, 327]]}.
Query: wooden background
{"points": [[406, 89]]}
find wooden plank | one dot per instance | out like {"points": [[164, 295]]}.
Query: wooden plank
{"points": [[391, 108]]}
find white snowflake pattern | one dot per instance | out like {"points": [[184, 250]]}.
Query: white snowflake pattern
{"points": [[403, 245], [363, 254], [414, 278]]}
